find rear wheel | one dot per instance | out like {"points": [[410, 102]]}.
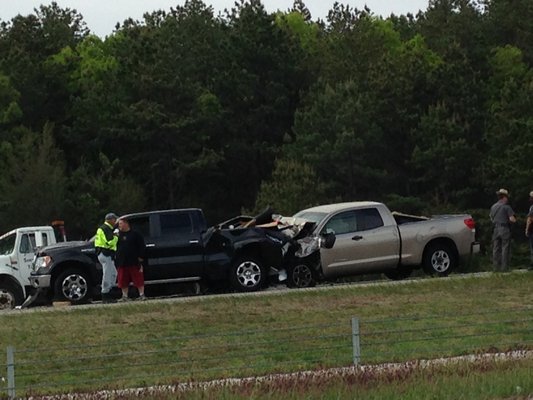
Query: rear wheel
{"points": [[73, 285], [301, 276], [10, 295], [247, 274], [439, 259]]}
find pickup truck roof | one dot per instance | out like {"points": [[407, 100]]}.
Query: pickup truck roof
{"points": [[196, 215], [328, 208], [162, 212]]}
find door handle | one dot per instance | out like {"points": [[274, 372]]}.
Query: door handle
{"points": [[150, 245], [357, 237], [194, 241]]}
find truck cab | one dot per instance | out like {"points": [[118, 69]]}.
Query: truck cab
{"points": [[17, 248]]}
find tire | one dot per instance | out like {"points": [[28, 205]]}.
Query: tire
{"points": [[247, 274], [10, 295], [439, 259], [73, 285], [301, 276], [398, 274]]}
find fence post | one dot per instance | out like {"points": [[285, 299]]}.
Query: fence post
{"points": [[10, 372], [355, 341]]}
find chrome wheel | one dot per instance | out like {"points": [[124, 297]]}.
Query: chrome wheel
{"points": [[440, 261], [74, 287], [248, 274]]}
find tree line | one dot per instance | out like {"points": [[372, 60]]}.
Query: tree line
{"points": [[234, 111]]}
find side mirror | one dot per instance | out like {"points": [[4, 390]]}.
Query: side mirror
{"points": [[328, 240]]}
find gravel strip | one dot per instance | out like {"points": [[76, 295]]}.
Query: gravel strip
{"points": [[388, 368]]}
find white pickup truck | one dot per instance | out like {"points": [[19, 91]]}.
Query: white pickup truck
{"points": [[17, 249], [372, 239]]}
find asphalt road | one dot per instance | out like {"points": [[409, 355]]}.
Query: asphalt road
{"points": [[275, 290]]}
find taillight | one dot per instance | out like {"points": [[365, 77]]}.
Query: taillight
{"points": [[470, 223]]}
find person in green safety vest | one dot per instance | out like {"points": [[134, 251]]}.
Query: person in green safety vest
{"points": [[106, 246]]}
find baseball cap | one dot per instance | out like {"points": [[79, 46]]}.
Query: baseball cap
{"points": [[111, 215], [503, 192]]}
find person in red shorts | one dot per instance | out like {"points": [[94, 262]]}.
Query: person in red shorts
{"points": [[129, 258]]}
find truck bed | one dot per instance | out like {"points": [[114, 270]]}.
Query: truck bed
{"points": [[402, 218]]}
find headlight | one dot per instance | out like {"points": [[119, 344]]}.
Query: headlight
{"points": [[42, 262]]}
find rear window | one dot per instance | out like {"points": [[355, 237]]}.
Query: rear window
{"points": [[175, 223], [45, 239], [368, 218]]}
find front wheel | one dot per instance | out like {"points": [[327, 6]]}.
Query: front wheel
{"points": [[247, 274], [301, 276], [10, 295], [73, 285], [439, 259]]}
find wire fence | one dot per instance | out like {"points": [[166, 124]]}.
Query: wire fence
{"points": [[151, 361]]}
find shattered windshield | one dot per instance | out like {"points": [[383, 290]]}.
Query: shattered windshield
{"points": [[311, 216], [7, 244]]}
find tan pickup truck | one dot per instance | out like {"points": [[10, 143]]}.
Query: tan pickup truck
{"points": [[372, 239]]}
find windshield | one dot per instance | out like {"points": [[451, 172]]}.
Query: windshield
{"points": [[311, 216], [7, 244]]}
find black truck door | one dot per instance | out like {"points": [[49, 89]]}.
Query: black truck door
{"points": [[176, 251]]}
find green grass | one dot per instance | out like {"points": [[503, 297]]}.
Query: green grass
{"points": [[203, 338]]}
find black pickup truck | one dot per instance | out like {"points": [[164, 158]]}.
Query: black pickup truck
{"points": [[244, 253]]}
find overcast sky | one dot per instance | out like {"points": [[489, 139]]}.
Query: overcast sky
{"points": [[101, 16]]}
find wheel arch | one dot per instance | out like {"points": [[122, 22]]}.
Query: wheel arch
{"points": [[268, 255], [11, 279], [440, 241], [73, 264]]}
